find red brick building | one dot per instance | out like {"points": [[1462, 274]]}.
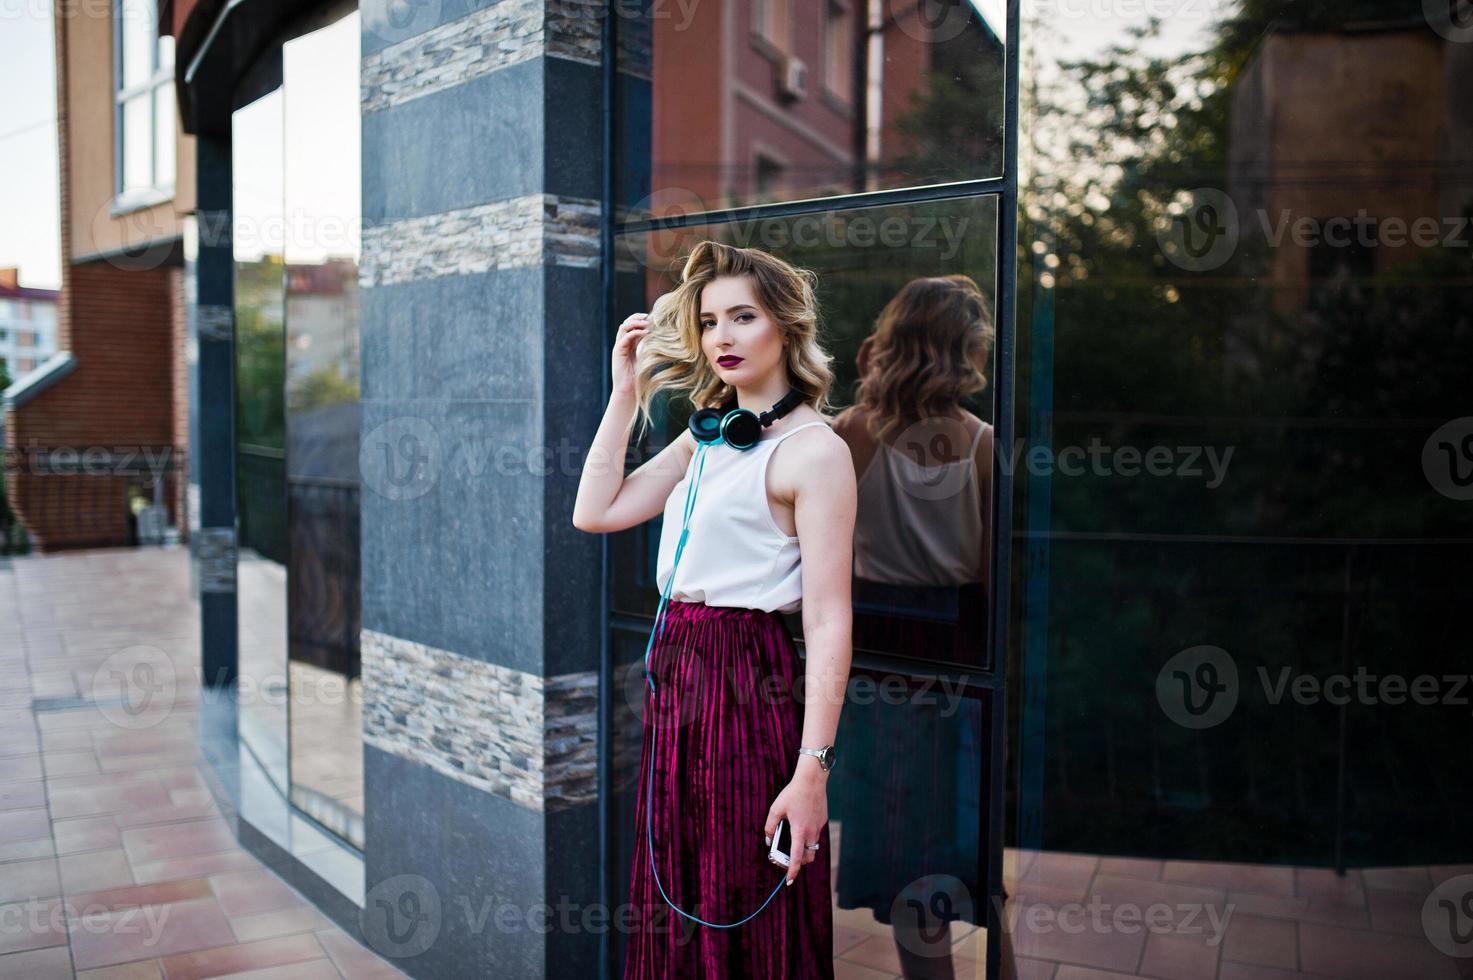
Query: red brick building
{"points": [[105, 426]]}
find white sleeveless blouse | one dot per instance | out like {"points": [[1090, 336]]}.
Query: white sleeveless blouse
{"points": [[735, 554]]}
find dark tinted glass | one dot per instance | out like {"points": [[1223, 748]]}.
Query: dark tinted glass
{"points": [[1243, 503]]}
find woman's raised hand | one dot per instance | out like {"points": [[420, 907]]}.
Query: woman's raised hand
{"points": [[631, 332]]}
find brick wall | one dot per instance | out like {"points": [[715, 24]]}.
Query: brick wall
{"points": [[177, 492], [123, 397]]}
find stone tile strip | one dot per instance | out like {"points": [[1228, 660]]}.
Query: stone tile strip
{"points": [[538, 229], [215, 549], [215, 322], [525, 738], [495, 37]]}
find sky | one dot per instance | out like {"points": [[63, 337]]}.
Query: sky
{"points": [[30, 234]]}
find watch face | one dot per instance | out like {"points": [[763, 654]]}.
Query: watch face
{"points": [[828, 757]]}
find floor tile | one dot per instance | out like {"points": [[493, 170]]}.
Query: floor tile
{"points": [[148, 931], [1262, 941]]}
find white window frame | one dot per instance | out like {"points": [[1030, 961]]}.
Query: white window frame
{"points": [[160, 76], [848, 8]]}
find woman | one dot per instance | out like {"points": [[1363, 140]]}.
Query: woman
{"points": [[727, 708]]}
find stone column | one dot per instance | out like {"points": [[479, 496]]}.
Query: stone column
{"points": [[212, 450], [482, 350]]}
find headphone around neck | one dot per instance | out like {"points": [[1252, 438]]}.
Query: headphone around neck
{"points": [[740, 428]]}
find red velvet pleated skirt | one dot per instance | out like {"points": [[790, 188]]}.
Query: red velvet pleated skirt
{"points": [[722, 731]]}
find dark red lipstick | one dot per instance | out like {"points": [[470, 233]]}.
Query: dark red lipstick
{"points": [[729, 360]]}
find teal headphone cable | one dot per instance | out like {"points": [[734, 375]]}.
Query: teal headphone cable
{"points": [[690, 500]]}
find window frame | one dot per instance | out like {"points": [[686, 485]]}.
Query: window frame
{"points": [[160, 77], [832, 38]]}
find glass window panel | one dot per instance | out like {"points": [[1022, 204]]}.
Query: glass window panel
{"points": [[1242, 500], [922, 100], [138, 142], [322, 135], [920, 563], [137, 31], [839, 50], [260, 434], [164, 135]]}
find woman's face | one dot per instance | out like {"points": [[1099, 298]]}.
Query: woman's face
{"points": [[734, 325]]}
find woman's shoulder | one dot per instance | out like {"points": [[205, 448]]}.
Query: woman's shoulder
{"points": [[805, 418], [815, 447], [814, 444]]}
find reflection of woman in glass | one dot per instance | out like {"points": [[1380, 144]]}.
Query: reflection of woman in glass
{"points": [[723, 726], [910, 817]]}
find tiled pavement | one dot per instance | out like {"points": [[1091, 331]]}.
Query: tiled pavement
{"points": [[115, 860], [1274, 923], [1271, 922]]}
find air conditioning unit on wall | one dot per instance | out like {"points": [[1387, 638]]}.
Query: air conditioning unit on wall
{"points": [[792, 79]]}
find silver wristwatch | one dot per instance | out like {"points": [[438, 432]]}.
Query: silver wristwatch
{"points": [[825, 756]]}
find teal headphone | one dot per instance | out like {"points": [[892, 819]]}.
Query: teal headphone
{"points": [[739, 428]]}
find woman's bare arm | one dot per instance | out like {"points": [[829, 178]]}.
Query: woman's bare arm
{"points": [[609, 501], [824, 509]]}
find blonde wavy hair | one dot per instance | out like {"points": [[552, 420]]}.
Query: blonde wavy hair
{"points": [[670, 356], [924, 353]]}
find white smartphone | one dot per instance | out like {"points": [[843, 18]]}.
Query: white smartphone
{"points": [[782, 844]]}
